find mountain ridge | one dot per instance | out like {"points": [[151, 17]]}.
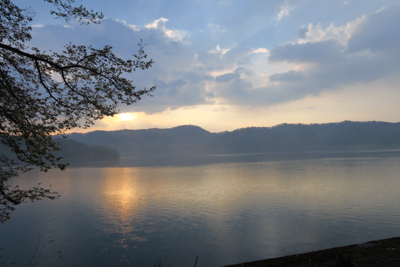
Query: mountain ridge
{"points": [[194, 140]]}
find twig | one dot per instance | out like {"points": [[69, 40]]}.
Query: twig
{"points": [[37, 246], [196, 261]]}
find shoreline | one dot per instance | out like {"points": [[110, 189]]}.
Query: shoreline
{"points": [[382, 253]]}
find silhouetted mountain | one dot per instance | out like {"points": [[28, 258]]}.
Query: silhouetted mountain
{"points": [[315, 137], [177, 141], [74, 150], [193, 140]]}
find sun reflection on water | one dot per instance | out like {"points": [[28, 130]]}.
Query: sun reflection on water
{"points": [[121, 201]]}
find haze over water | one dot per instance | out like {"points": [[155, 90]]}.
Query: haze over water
{"points": [[224, 213]]}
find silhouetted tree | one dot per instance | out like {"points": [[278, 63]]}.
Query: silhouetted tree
{"points": [[34, 105]]}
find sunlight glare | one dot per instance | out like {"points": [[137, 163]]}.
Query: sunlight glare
{"points": [[127, 116]]}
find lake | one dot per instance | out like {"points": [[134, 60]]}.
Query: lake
{"points": [[224, 209]]}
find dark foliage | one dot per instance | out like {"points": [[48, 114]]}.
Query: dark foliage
{"points": [[34, 106]]}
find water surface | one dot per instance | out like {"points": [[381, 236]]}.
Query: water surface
{"points": [[242, 208]]}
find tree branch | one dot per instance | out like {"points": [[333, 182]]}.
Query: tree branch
{"points": [[34, 57]]}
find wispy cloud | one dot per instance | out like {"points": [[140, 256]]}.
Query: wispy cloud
{"points": [[220, 51], [133, 27], [259, 50], [216, 28], [315, 33], [285, 10], [160, 23]]}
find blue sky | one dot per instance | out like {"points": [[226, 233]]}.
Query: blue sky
{"points": [[224, 65]]}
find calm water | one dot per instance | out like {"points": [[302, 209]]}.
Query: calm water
{"points": [[240, 209]]}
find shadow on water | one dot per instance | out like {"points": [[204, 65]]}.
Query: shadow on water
{"points": [[196, 160], [76, 163]]}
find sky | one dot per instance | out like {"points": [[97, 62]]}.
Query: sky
{"points": [[225, 65]]}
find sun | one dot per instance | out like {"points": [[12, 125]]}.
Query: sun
{"points": [[127, 116]]}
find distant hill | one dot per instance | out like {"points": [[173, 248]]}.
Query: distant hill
{"points": [[177, 141], [193, 140], [74, 150], [314, 137]]}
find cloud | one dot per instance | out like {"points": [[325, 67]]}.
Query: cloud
{"points": [[216, 28], [172, 88], [227, 77], [205, 69], [302, 33], [178, 85], [259, 50], [322, 52], [377, 32], [285, 10], [315, 33], [232, 87], [362, 51], [219, 50], [133, 27], [159, 25], [290, 76]]}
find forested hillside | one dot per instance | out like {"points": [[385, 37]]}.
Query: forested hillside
{"points": [[193, 140]]}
